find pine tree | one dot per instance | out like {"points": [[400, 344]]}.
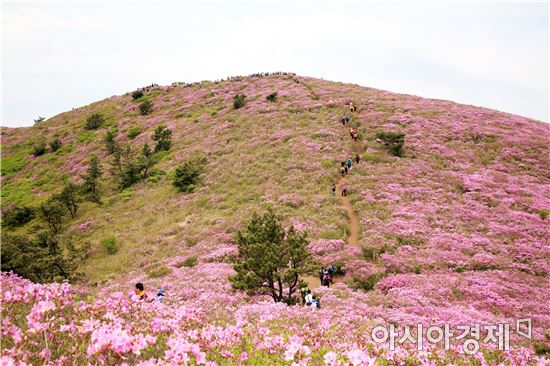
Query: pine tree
{"points": [[69, 197], [270, 259], [91, 184], [163, 136]]}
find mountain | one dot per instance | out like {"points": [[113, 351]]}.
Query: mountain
{"points": [[455, 230]]}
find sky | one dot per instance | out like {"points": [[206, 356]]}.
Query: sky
{"points": [[59, 55]]}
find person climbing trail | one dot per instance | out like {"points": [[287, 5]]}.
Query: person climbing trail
{"points": [[326, 279], [355, 135], [334, 189], [344, 191], [343, 170], [343, 121], [348, 163], [357, 158], [321, 274], [303, 292], [346, 169], [331, 271]]}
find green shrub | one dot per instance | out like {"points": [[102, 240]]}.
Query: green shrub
{"points": [[542, 349], [146, 108], [163, 137], [159, 272], [368, 283], [137, 94], [39, 148], [372, 253], [94, 121], [543, 213], [272, 97], [189, 262], [239, 100], [55, 145], [187, 175], [109, 245], [133, 133], [393, 141], [17, 216]]}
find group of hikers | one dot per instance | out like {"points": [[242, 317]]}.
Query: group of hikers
{"points": [[238, 77], [142, 295], [326, 276]]}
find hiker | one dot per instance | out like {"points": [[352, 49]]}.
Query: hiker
{"points": [[357, 158], [160, 295], [308, 298], [331, 271], [347, 117], [346, 169], [314, 304], [344, 191], [303, 293], [321, 273], [348, 163], [351, 132], [343, 121], [343, 170], [354, 136], [140, 292], [334, 189], [326, 279]]}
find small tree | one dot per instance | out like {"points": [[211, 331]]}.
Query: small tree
{"points": [[55, 144], [110, 142], [137, 94], [146, 160], [272, 97], [239, 100], [17, 216], [146, 108], [94, 121], [393, 141], [187, 175], [52, 211], [91, 184], [270, 259], [69, 198], [39, 148], [163, 137]]}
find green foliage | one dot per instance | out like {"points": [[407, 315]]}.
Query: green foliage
{"points": [[163, 137], [17, 216], [373, 253], [94, 121], [159, 272], [39, 148], [136, 168], [91, 184], [368, 283], [146, 107], [270, 259], [55, 145], [393, 141], [43, 259], [110, 142], [543, 213], [272, 97], [187, 175], [12, 164], [133, 133], [69, 197], [239, 100], [189, 262], [109, 245], [137, 94], [542, 349], [52, 211]]}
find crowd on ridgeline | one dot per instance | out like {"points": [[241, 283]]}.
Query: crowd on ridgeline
{"points": [[147, 88], [236, 77]]}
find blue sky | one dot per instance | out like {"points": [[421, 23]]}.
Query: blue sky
{"points": [[60, 55]]}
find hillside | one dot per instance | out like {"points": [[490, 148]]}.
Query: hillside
{"points": [[454, 231]]}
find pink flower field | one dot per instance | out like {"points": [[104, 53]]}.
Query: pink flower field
{"points": [[453, 254]]}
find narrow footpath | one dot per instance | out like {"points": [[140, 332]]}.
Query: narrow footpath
{"points": [[353, 239]]}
